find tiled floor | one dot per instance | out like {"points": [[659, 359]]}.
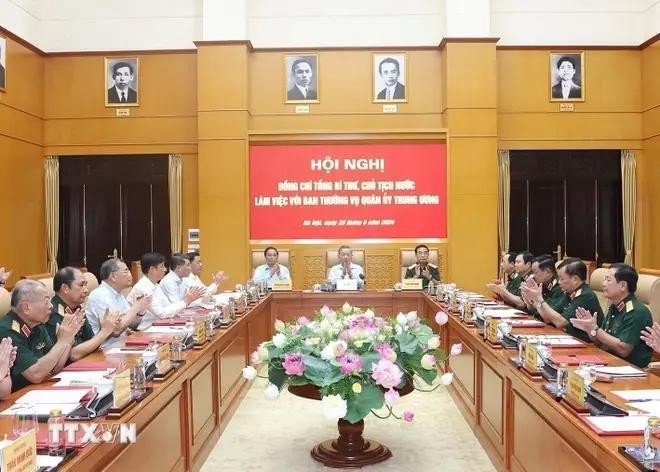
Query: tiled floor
{"points": [[277, 436]]}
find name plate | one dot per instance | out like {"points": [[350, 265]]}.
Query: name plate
{"points": [[492, 331], [531, 357], [200, 331], [21, 454], [411, 284], [347, 284], [575, 389], [282, 285], [164, 360], [122, 388]]}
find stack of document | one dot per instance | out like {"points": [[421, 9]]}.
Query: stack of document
{"points": [[616, 425], [506, 313], [623, 371], [41, 402]]}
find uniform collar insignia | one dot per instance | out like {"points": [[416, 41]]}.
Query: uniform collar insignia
{"points": [[621, 305], [576, 294], [16, 326], [25, 329]]}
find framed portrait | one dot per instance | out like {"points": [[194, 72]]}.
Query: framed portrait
{"points": [[122, 84], [301, 72], [3, 63], [389, 71], [567, 76]]}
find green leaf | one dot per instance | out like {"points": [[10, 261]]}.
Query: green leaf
{"points": [[274, 352], [407, 342], [369, 358], [427, 376], [276, 376], [320, 372], [295, 380], [371, 398], [423, 334]]}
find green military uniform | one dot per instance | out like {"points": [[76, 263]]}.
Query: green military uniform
{"points": [[31, 344], [582, 297], [514, 283], [626, 321], [57, 316], [433, 270], [554, 296]]}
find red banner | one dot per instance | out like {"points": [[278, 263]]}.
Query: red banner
{"points": [[337, 191]]}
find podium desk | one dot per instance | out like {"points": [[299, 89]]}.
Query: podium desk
{"points": [[521, 427]]}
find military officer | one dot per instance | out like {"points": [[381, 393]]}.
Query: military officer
{"points": [[572, 275], [626, 320], [510, 293], [38, 355], [423, 269], [545, 276], [7, 359], [70, 294]]}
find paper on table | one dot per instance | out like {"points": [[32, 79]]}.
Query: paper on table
{"points": [[48, 461], [42, 408], [619, 423], [652, 407], [72, 395], [123, 350], [166, 329], [622, 371], [92, 376], [632, 395], [509, 313]]}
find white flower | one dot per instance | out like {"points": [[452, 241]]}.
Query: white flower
{"points": [[271, 392], [441, 317], [328, 352], [255, 359], [434, 342], [279, 325], [369, 313], [249, 373], [447, 378], [346, 308], [456, 349], [428, 361], [401, 319], [398, 329], [312, 341], [325, 309], [279, 340], [411, 316], [334, 407], [263, 352]]}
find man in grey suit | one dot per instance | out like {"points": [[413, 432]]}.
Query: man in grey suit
{"points": [[394, 90]]}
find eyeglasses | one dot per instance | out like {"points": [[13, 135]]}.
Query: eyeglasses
{"points": [[422, 251]]}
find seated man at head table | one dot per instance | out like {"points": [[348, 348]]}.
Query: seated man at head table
{"points": [[38, 356], [626, 320], [7, 359], [572, 276], [271, 270], [193, 279], [523, 269], [107, 299], [423, 269], [346, 269], [153, 268], [545, 275], [70, 288]]}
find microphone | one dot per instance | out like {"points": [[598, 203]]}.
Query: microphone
{"points": [[362, 278]]}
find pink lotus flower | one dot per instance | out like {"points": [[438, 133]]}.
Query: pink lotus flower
{"points": [[279, 325], [408, 416], [456, 349], [385, 351], [427, 361], [325, 309], [391, 397], [303, 320], [293, 364], [386, 373], [441, 318], [350, 363]]}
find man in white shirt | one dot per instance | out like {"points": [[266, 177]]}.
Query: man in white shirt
{"points": [[173, 285], [107, 298], [566, 88], [153, 268], [193, 279], [346, 269], [271, 270]]}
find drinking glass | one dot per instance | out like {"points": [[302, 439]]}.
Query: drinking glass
{"points": [[587, 369], [25, 419]]}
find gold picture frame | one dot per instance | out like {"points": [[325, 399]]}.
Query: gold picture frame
{"points": [[567, 76], [301, 78], [3, 64], [128, 70], [388, 66]]}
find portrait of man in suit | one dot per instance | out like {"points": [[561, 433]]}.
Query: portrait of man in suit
{"points": [[3, 59], [122, 83], [302, 78], [389, 77], [566, 76]]}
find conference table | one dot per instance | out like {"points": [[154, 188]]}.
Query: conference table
{"points": [[521, 427]]}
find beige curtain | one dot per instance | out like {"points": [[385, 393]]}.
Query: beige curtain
{"points": [[174, 181], [629, 196], [503, 200], [52, 187]]}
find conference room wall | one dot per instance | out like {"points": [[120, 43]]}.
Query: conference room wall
{"points": [[22, 242], [649, 169], [609, 118]]}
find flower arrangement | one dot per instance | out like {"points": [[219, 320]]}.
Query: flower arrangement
{"points": [[359, 361]]}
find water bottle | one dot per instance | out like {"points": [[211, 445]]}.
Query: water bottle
{"points": [[177, 348], [562, 379], [139, 379], [56, 433], [210, 322], [652, 439]]}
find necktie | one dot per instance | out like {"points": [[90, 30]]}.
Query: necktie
{"points": [[388, 95], [123, 97]]}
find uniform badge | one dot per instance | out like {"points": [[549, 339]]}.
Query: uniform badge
{"points": [[620, 307], [629, 306], [60, 310], [25, 329], [40, 346], [16, 326]]}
